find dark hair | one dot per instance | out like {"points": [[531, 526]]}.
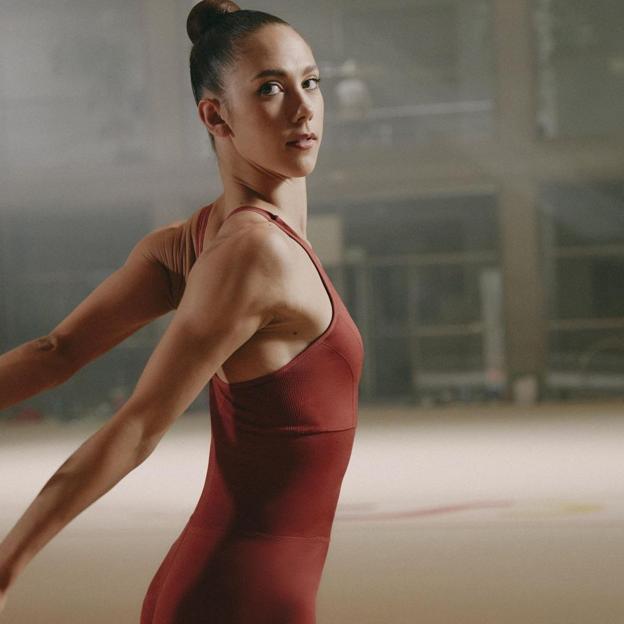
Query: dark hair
{"points": [[217, 29]]}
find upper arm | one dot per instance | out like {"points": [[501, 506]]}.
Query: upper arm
{"points": [[125, 301], [231, 293]]}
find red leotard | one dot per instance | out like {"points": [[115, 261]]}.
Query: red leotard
{"points": [[254, 548]]}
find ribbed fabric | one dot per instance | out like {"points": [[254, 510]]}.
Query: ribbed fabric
{"points": [[254, 548]]}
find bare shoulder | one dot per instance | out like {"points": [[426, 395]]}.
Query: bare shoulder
{"points": [[242, 221], [155, 246], [160, 243], [240, 273], [251, 239]]}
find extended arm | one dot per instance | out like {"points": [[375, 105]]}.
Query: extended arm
{"points": [[231, 292], [125, 301]]}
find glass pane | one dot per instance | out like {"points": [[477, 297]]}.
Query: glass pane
{"points": [[580, 52], [588, 214], [591, 287], [450, 353], [434, 224], [409, 71], [583, 247], [588, 351], [447, 295], [393, 369], [390, 296]]}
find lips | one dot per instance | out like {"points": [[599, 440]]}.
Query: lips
{"points": [[302, 137]]}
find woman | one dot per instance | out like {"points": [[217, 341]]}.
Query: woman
{"points": [[257, 318]]}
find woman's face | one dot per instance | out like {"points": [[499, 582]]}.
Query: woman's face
{"points": [[264, 113]]}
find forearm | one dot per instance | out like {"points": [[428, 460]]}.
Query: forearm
{"points": [[91, 471], [31, 368]]}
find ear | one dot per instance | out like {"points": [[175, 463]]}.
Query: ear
{"points": [[209, 110]]}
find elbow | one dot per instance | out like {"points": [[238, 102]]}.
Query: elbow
{"points": [[52, 350], [47, 343]]}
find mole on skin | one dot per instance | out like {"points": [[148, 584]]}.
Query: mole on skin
{"points": [[46, 343]]}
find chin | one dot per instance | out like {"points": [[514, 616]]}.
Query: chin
{"points": [[301, 171], [303, 162]]}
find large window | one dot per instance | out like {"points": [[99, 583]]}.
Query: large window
{"points": [[583, 246], [433, 296], [410, 72], [580, 62]]}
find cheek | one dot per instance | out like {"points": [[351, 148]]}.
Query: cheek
{"points": [[260, 122]]}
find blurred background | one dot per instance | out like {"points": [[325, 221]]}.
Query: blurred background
{"points": [[468, 204], [468, 201]]}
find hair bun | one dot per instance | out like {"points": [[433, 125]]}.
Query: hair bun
{"points": [[204, 15]]}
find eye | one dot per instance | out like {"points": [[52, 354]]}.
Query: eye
{"points": [[317, 80], [270, 84], [267, 84]]}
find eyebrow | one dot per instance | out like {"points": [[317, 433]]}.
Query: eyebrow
{"points": [[280, 72]]}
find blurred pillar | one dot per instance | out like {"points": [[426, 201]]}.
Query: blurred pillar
{"points": [[525, 321], [7, 322], [165, 34]]}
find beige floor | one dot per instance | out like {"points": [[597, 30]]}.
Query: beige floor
{"points": [[507, 515]]}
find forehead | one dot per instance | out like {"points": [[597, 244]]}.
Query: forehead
{"points": [[274, 46]]}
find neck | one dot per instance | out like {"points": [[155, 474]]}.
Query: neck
{"points": [[244, 183]]}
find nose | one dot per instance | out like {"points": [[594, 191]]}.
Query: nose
{"points": [[305, 108]]}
